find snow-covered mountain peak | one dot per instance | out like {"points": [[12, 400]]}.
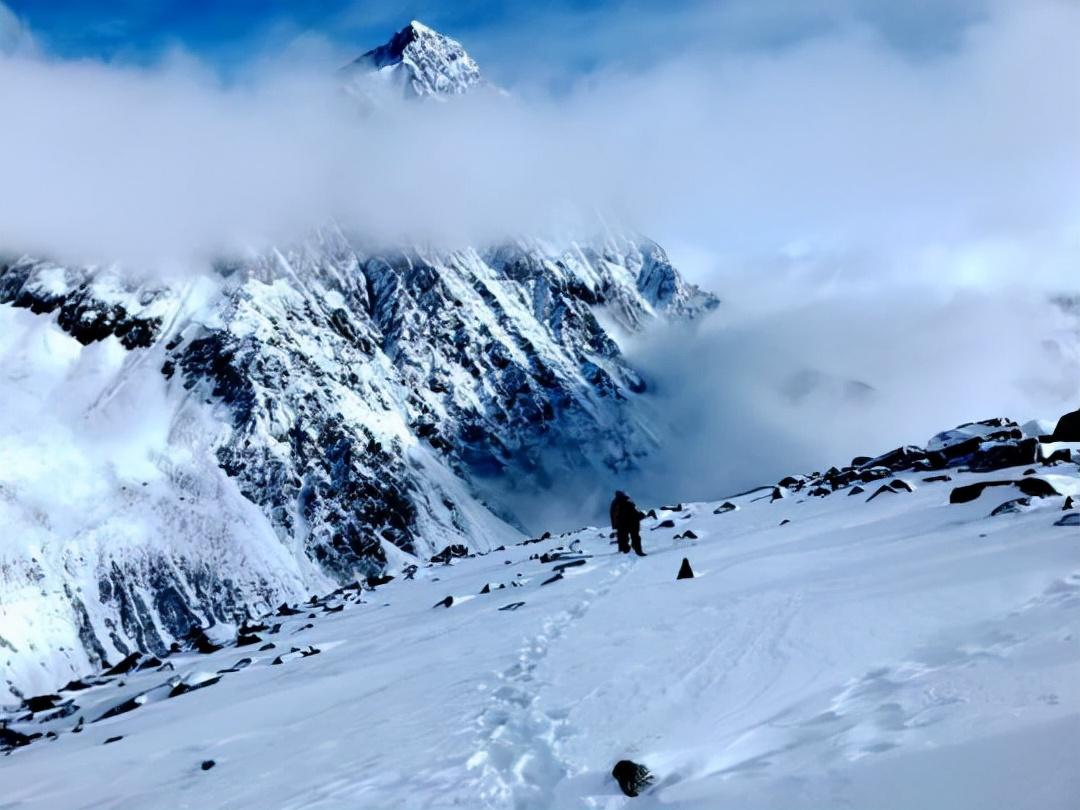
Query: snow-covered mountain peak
{"points": [[420, 62]]}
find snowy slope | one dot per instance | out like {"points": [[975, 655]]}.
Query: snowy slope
{"points": [[839, 650]]}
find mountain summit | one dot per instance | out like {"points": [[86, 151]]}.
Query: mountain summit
{"points": [[421, 62]]}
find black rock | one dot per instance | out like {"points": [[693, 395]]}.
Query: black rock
{"points": [[41, 703], [184, 688], [685, 571], [10, 738], [726, 506], [246, 639], [991, 457], [285, 610], [452, 551], [785, 522], [126, 706], [666, 524], [512, 606], [207, 764], [1062, 454], [555, 578], [447, 602], [334, 608], [1068, 428], [126, 665], [199, 641], [1011, 507], [631, 776], [777, 494], [1068, 503], [568, 564], [75, 686], [689, 535], [676, 508], [1035, 487], [114, 739], [859, 461], [819, 492], [931, 479], [268, 646], [855, 490], [375, 582]]}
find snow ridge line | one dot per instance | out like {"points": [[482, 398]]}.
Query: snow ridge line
{"points": [[517, 743]]}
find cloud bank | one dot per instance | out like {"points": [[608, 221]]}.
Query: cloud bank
{"points": [[964, 163]]}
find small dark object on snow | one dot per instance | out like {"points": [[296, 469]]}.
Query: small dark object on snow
{"points": [[1028, 471], [244, 639], [375, 582], [1068, 428], [555, 578], [409, 571], [1062, 454], [447, 602], [450, 552], [726, 506], [285, 610], [685, 571], [785, 522], [819, 492], [1068, 505], [991, 457], [334, 608], [632, 777], [687, 535], [512, 606], [676, 508], [777, 494], [651, 514], [267, 646], [184, 688], [900, 484], [207, 764], [934, 478], [114, 739], [667, 524], [75, 686], [1071, 519], [568, 564], [856, 490]]}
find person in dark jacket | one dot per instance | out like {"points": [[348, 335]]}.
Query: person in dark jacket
{"points": [[626, 521]]}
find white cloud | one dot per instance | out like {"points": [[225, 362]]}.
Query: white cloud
{"points": [[837, 145]]}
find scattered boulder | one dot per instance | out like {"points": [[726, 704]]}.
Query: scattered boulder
{"points": [[117, 738], [447, 602], [568, 564], [555, 578], [451, 552], [933, 478], [778, 493], [1068, 428], [856, 490], [687, 535], [819, 492], [207, 764], [267, 646], [245, 639], [1035, 487], [127, 664], [285, 610], [41, 703], [726, 506], [183, 687], [11, 739], [1015, 506], [667, 524], [676, 508], [990, 457], [76, 685], [1071, 519], [1059, 456], [512, 606], [1068, 503], [296, 653], [376, 581], [632, 777], [785, 522]]}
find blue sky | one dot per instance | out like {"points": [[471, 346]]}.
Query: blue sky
{"points": [[514, 41]]}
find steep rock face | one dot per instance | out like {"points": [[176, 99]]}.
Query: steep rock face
{"points": [[358, 400], [193, 449], [417, 62]]}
